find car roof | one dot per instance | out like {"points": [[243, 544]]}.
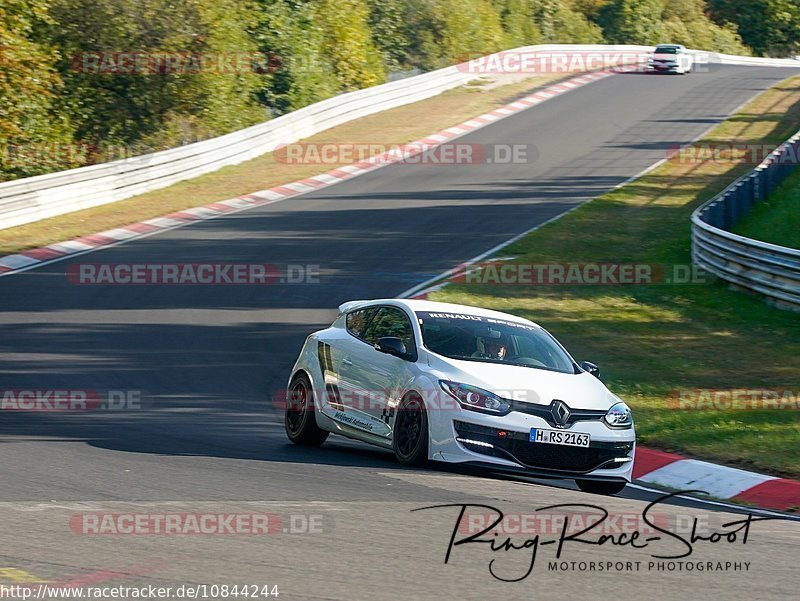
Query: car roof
{"points": [[433, 306], [670, 46]]}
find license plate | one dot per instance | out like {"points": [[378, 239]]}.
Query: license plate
{"points": [[570, 439]]}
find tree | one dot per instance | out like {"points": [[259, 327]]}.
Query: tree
{"points": [[518, 24], [633, 21], [685, 22], [33, 138], [155, 73], [591, 9], [560, 24], [652, 22], [347, 42], [388, 31], [768, 26], [289, 36], [464, 29]]}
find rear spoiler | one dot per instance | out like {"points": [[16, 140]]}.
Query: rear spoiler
{"points": [[350, 305]]}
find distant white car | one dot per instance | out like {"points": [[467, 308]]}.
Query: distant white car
{"points": [[458, 384], [670, 58]]}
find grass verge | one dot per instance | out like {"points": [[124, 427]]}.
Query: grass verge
{"points": [[653, 341], [777, 219], [397, 126]]}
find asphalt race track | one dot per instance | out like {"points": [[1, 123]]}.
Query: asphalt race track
{"points": [[210, 359]]}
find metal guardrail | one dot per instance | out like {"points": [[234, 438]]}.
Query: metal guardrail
{"points": [[42, 196], [767, 269], [34, 198]]}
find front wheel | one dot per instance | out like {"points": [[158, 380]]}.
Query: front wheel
{"points": [[410, 439], [601, 487], [300, 421]]}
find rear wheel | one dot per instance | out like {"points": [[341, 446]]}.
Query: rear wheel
{"points": [[410, 439], [301, 424], [601, 487]]}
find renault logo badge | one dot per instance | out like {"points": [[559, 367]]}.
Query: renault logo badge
{"points": [[560, 413]]}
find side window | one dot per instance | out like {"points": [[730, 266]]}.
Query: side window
{"points": [[357, 321], [391, 321]]}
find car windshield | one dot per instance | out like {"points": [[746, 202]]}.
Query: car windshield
{"points": [[491, 340], [666, 50]]}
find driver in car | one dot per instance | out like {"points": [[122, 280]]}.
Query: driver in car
{"points": [[494, 347]]}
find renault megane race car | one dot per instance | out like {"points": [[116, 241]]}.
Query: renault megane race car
{"points": [[459, 384]]}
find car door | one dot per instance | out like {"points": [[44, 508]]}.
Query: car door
{"points": [[376, 378], [343, 402]]}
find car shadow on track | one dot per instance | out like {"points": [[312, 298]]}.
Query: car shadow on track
{"points": [[252, 438]]}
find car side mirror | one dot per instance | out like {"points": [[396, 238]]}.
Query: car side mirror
{"points": [[392, 346], [591, 368]]}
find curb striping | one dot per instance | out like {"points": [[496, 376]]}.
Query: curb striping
{"points": [[779, 493], [674, 471], [18, 261], [648, 461], [717, 480]]}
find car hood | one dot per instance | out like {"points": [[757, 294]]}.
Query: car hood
{"points": [[666, 57], [527, 384]]}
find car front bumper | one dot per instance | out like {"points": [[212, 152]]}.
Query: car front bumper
{"points": [[664, 68], [502, 443]]}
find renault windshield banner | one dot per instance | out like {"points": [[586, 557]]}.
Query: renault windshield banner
{"points": [[429, 316]]}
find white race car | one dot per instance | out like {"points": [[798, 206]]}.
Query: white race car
{"points": [[670, 58], [458, 384]]}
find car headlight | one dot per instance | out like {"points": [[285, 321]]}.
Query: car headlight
{"points": [[476, 399], [619, 416]]}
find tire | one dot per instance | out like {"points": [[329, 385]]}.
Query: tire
{"points": [[299, 418], [410, 436], [601, 487]]}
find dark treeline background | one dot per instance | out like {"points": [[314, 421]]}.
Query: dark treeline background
{"points": [[56, 114]]}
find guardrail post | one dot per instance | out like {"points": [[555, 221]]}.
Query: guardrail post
{"points": [[761, 184], [783, 167], [725, 211], [711, 214], [749, 191], [790, 159], [736, 201], [719, 213], [769, 188]]}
